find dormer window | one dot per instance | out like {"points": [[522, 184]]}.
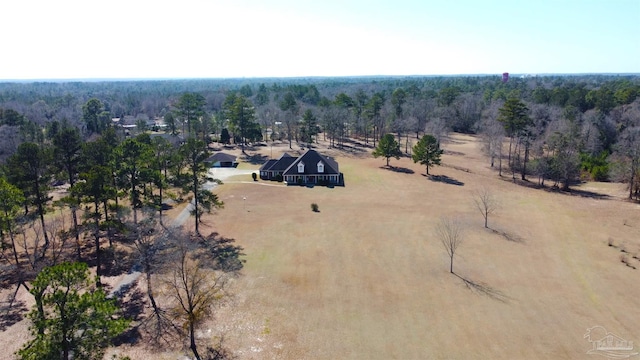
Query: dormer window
{"points": [[300, 167], [320, 167]]}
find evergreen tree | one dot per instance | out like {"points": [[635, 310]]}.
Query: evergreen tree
{"points": [[262, 97], [372, 113], [387, 147], [11, 200], [160, 167], [309, 126], [96, 187], [514, 116], [135, 156], [225, 137], [189, 108], [29, 170], [170, 121], [290, 107], [67, 147], [427, 151], [94, 115], [73, 320], [195, 153], [241, 115]]}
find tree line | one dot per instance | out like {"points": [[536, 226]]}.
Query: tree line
{"points": [[575, 126], [110, 215]]}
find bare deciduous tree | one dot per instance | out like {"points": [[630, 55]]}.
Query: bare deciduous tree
{"points": [[628, 155], [450, 233], [486, 203], [195, 290], [493, 135], [152, 245], [438, 128]]}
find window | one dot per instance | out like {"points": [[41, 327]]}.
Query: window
{"points": [[300, 167], [320, 167]]}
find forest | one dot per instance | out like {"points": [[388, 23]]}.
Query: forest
{"points": [[585, 119], [121, 149]]}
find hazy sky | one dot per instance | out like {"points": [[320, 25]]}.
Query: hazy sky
{"points": [[67, 39]]}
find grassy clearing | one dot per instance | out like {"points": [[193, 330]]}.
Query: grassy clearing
{"points": [[365, 278]]}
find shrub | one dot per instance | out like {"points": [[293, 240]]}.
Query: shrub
{"points": [[315, 208], [254, 176], [600, 173], [279, 178], [299, 181], [596, 165]]}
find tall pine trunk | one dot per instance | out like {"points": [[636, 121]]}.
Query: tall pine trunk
{"points": [[195, 195], [526, 159], [96, 235]]}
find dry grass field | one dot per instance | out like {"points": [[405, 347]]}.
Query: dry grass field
{"points": [[367, 278]]}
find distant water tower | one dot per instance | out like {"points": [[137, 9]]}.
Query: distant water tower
{"points": [[505, 77]]}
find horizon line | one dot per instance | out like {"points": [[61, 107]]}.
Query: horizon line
{"points": [[118, 79]]}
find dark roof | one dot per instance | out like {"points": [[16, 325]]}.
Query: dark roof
{"points": [[311, 158], [266, 166], [281, 164], [221, 157], [332, 163]]}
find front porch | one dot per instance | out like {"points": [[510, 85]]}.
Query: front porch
{"points": [[312, 179]]}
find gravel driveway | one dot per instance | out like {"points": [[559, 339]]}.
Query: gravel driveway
{"points": [[217, 173]]}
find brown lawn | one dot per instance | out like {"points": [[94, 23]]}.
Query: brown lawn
{"points": [[366, 278]]}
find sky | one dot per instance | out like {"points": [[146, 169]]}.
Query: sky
{"points": [[118, 39]]}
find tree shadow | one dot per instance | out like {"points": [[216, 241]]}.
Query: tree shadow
{"points": [[459, 168], [166, 206], [397, 169], [133, 304], [351, 150], [581, 193], [131, 301], [509, 237], [11, 312], [484, 289], [219, 351], [11, 275], [558, 190], [253, 146], [255, 159], [451, 152], [221, 253], [114, 262], [159, 331], [444, 179]]}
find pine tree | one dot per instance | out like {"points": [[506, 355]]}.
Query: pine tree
{"points": [[72, 319], [388, 147], [427, 151]]}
